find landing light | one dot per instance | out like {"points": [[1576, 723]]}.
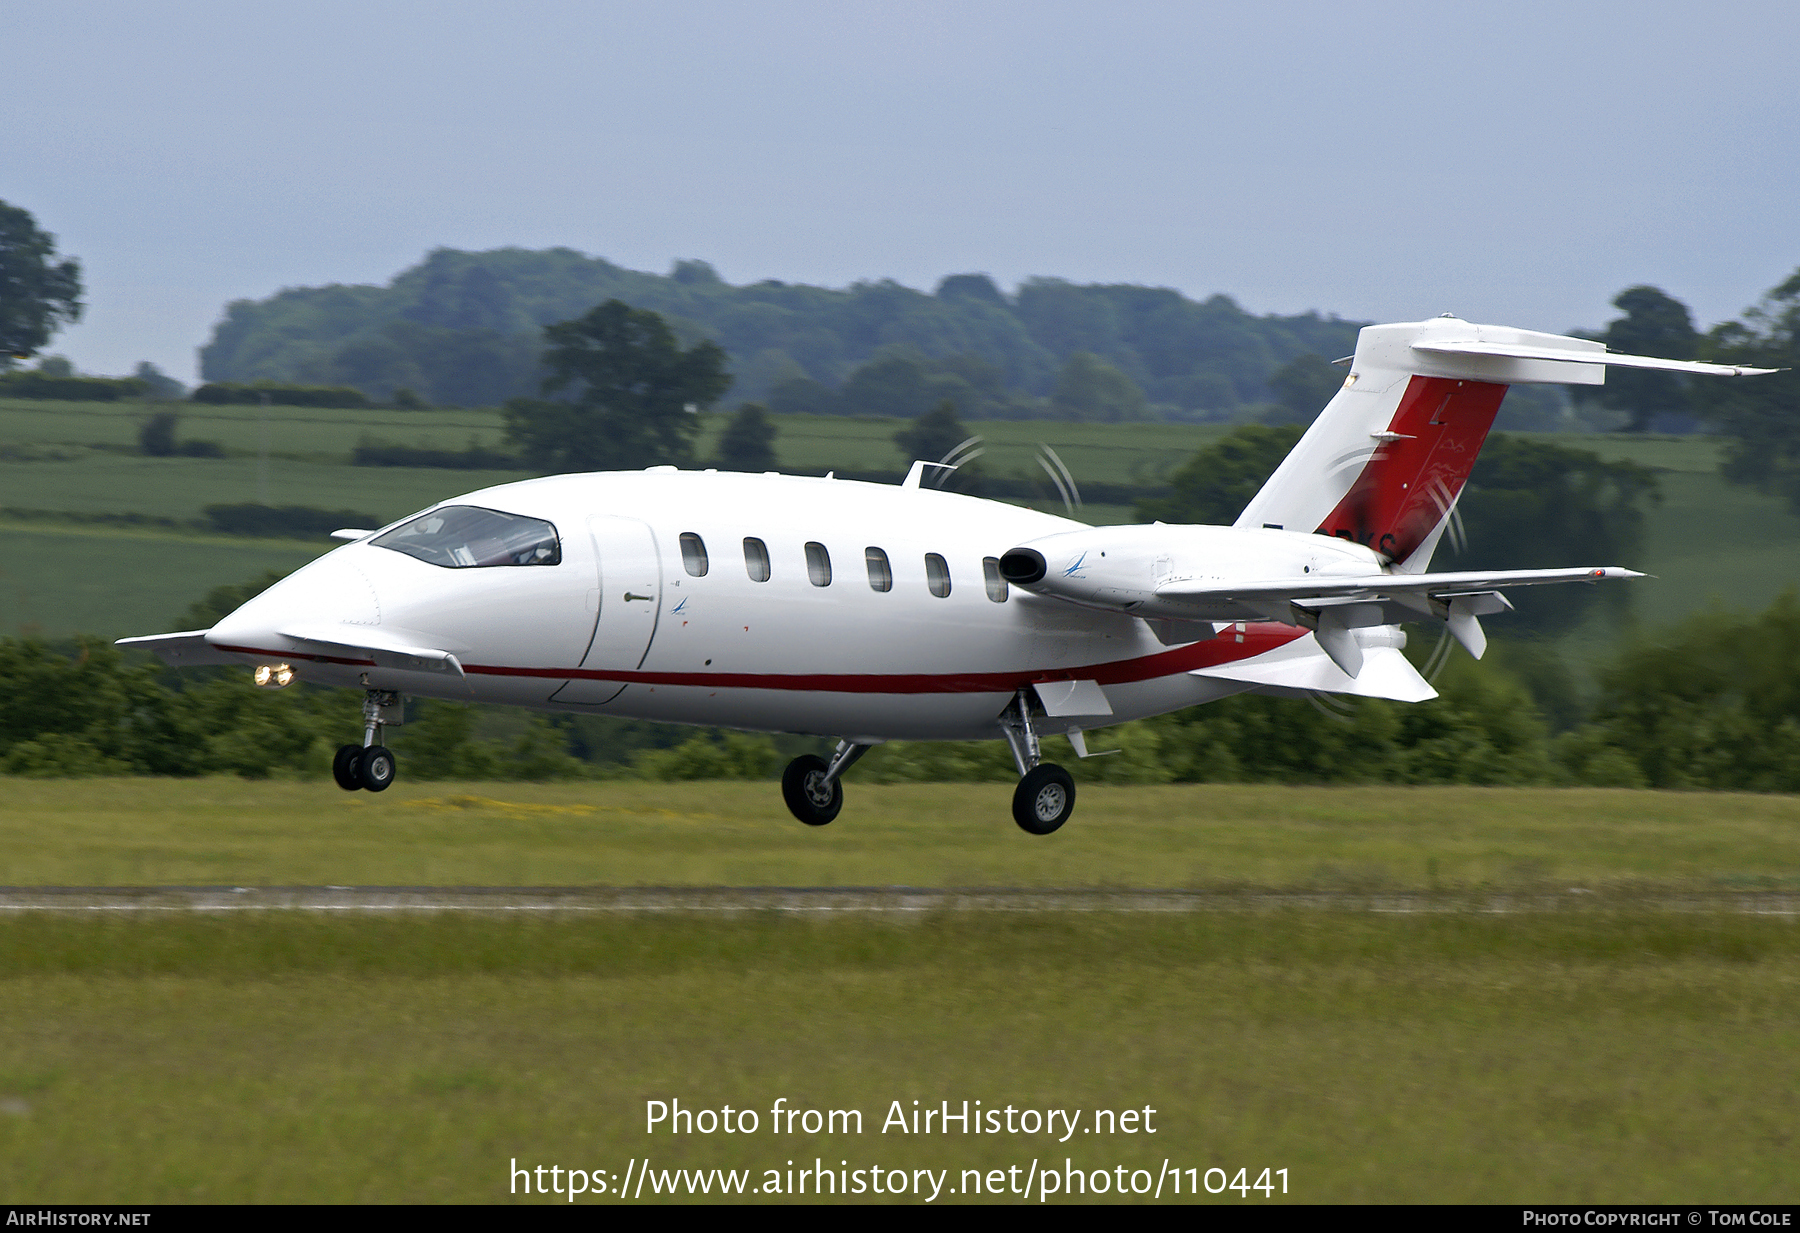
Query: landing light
{"points": [[273, 676]]}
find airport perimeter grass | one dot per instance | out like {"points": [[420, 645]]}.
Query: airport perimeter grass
{"points": [[1612, 1052], [1588, 1057], [228, 831]]}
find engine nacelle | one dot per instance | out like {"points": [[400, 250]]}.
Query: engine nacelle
{"points": [[1120, 568]]}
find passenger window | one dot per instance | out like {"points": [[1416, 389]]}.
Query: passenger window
{"points": [[756, 559], [818, 565], [937, 575], [881, 578], [693, 554], [469, 537], [996, 585]]}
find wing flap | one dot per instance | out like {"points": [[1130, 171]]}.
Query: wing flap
{"points": [[1203, 591]]}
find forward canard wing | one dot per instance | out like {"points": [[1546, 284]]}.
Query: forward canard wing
{"points": [[188, 649], [381, 649], [335, 643]]}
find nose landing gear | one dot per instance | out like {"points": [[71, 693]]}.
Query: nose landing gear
{"points": [[371, 764], [813, 788]]}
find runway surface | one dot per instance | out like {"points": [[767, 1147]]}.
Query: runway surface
{"points": [[892, 899]]}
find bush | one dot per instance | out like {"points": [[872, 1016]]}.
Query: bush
{"points": [[90, 713], [372, 453], [57, 755], [156, 439], [733, 755], [1714, 703], [220, 393], [31, 384], [291, 521]]}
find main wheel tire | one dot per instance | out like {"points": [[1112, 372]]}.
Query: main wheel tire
{"points": [[376, 768], [1044, 799], [804, 789], [346, 767]]}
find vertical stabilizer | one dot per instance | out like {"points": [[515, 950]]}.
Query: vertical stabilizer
{"points": [[1385, 462]]}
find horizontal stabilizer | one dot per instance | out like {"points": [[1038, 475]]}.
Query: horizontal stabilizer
{"points": [[385, 651], [1301, 667], [183, 650], [1612, 359]]}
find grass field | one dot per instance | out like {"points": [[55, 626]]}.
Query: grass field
{"points": [[117, 581], [1612, 1052], [232, 832], [1708, 542], [1617, 1057], [1110, 453]]}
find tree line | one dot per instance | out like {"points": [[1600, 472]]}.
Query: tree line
{"points": [[1712, 704], [463, 328]]}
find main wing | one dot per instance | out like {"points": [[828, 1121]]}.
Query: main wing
{"points": [[1203, 591], [1332, 607]]}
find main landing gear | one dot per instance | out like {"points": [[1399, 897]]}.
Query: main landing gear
{"points": [[1045, 798], [371, 764]]}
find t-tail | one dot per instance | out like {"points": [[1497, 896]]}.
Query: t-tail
{"points": [[1386, 461], [1379, 473]]}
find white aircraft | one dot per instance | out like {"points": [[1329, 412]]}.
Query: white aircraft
{"points": [[871, 612]]}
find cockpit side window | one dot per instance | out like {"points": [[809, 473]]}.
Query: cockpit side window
{"points": [[469, 537]]}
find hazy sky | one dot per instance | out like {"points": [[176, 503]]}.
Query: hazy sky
{"points": [[1517, 163]]}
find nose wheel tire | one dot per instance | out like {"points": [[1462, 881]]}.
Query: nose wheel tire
{"points": [[1044, 799], [808, 796], [375, 767], [346, 767]]}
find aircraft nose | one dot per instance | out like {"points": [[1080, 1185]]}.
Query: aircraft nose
{"points": [[333, 590]]}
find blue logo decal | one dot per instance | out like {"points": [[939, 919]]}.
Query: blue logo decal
{"points": [[678, 607], [1073, 569]]}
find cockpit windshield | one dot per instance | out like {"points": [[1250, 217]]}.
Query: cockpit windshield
{"points": [[469, 537]]}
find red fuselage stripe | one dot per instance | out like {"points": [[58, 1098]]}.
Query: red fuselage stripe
{"points": [[1225, 648]]}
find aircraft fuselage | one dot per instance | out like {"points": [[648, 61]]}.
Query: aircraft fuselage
{"points": [[766, 602]]}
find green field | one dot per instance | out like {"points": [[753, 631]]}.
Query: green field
{"points": [[1110, 453], [233, 832], [1707, 541], [1615, 1051], [1613, 1057], [59, 579]]}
